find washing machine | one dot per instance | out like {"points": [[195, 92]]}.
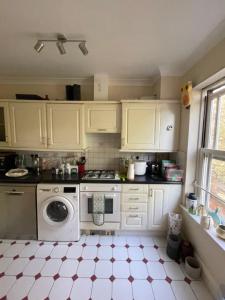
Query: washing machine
{"points": [[58, 212]]}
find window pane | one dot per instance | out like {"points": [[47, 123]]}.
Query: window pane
{"points": [[221, 135], [218, 186], [212, 127]]}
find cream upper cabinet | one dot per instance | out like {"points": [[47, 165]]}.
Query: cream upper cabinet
{"points": [[65, 126], [5, 136], [140, 126], [169, 126], [103, 117], [163, 199], [28, 124]]}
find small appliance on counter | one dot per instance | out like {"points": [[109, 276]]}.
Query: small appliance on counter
{"points": [[154, 169], [7, 161], [140, 167]]}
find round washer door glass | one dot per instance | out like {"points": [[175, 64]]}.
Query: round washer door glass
{"points": [[57, 211]]}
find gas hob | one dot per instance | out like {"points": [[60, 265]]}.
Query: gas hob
{"points": [[100, 175]]}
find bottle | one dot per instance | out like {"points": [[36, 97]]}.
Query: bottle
{"points": [[130, 171]]}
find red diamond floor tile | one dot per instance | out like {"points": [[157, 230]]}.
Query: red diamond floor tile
{"points": [[27, 243], [168, 279], [93, 278], [31, 257], [156, 247], [47, 258], [96, 259], [113, 246], [84, 245], [145, 261], [112, 278], [129, 260], [98, 245], [1, 256], [187, 280], [161, 261], [149, 279], [80, 259], [41, 244], [141, 246], [13, 243], [55, 244], [64, 258], [127, 246], [19, 275], [131, 278], [2, 274], [74, 277], [56, 276], [70, 244], [37, 276], [15, 257], [3, 298], [112, 260]]}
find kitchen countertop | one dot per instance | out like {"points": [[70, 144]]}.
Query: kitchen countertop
{"points": [[47, 177]]}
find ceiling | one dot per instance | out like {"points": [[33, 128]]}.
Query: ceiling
{"points": [[125, 38]]}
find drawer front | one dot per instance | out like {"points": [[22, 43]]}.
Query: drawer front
{"points": [[134, 221], [135, 188], [135, 198], [134, 207]]}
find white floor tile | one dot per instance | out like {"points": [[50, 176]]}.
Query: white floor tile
{"points": [[17, 266], [122, 290], [138, 270], [103, 269], [4, 263], [133, 241], [119, 241], [86, 268], [160, 241], [61, 289], [68, 268], [21, 288], [163, 255], [135, 253], [89, 252], [105, 240], [59, 251], [74, 251], [200, 290], [156, 270], [34, 267], [81, 287], [6, 282], [151, 254], [121, 269], [142, 290], [102, 289], [44, 251], [29, 250], [105, 252], [51, 267], [173, 270], [182, 290], [120, 253], [41, 288], [162, 290], [146, 241], [4, 247], [92, 240], [81, 241], [14, 250]]}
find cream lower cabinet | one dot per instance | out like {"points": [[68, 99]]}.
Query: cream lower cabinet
{"points": [[103, 118], [65, 126], [163, 199], [5, 136], [28, 125], [134, 207], [140, 126]]}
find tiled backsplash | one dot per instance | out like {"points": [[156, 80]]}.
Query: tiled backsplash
{"points": [[102, 153]]}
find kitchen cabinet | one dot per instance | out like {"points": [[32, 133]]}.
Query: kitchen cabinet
{"points": [[151, 125], [140, 126], [18, 211], [134, 206], [65, 126], [28, 125], [103, 118], [5, 136], [163, 199]]}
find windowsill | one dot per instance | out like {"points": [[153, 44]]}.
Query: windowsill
{"points": [[210, 232]]}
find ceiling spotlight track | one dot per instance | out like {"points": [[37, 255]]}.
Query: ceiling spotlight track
{"points": [[60, 41]]}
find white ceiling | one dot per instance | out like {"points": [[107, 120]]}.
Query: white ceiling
{"points": [[125, 38]]}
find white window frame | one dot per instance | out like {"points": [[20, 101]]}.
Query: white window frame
{"points": [[207, 153]]}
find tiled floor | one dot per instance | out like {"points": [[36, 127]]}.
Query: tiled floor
{"points": [[96, 268]]}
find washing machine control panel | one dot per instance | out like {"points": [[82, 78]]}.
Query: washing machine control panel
{"points": [[56, 190]]}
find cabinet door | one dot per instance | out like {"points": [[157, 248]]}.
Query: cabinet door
{"points": [[163, 199], [102, 118], [5, 139], [140, 126], [28, 125], [135, 221], [169, 126], [65, 127]]}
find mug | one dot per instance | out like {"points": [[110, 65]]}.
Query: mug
{"points": [[206, 222], [221, 231]]}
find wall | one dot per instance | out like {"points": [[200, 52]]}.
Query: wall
{"points": [[129, 92]]}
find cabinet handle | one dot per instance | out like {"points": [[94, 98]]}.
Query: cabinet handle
{"points": [[50, 141], [102, 129], [123, 141], [150, 192], [14, 193], [133, 216], [133, 208], [133, 199], [169, 127], [43, 140], [133, 189]]}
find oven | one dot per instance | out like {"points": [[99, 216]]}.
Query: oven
{"points": [[109, 193]]}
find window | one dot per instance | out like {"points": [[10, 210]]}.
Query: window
{"points": [[213, 152]]}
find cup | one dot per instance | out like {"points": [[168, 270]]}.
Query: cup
{"points": [[206, 222]]}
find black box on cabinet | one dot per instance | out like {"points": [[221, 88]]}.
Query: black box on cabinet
{"points": [[73, 92]]}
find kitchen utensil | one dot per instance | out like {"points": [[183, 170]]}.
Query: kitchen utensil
{"points": [[130, 171], [16, 173]]}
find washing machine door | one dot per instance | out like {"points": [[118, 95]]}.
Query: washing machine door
{"points": [[57, 210]]}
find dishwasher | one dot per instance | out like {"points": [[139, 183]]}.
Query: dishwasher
{"points": [[18, 218]]}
